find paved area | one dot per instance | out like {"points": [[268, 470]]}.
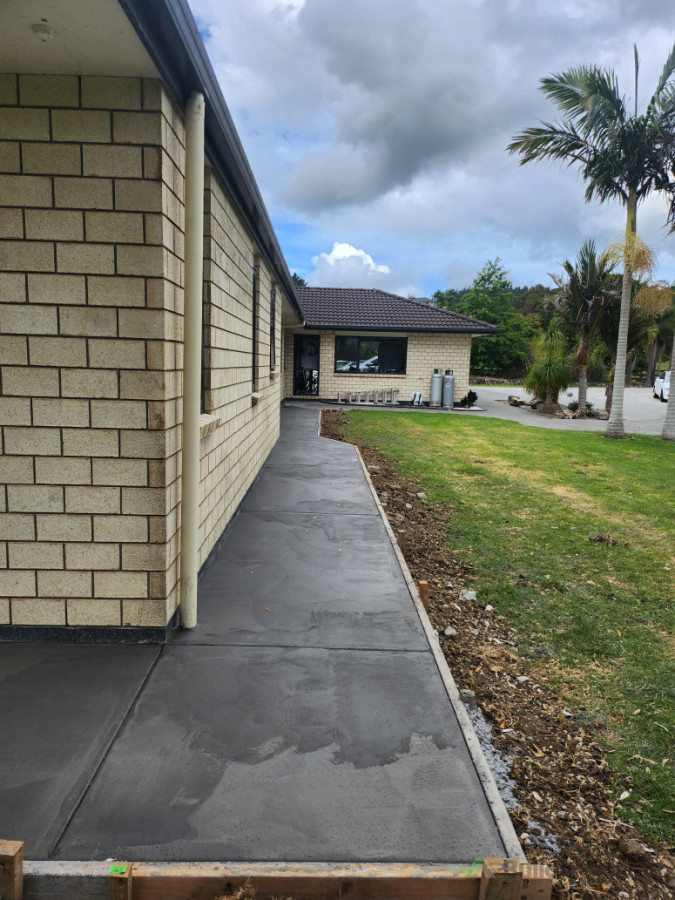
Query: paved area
{"points": [[642, 413], [305, 719]]}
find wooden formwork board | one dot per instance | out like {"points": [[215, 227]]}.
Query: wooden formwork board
{"points": [[490, 879]]}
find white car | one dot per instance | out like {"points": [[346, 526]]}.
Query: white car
{"points": [[662, 387]]}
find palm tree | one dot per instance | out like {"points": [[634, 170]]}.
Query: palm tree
{"points": [[623, 156], [550, 372], [588, 288], [668, 433]]}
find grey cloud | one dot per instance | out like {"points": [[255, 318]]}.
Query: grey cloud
{"points": [[384, 122]]}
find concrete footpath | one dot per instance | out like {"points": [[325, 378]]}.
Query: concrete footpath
{"points": [[305, 718]]}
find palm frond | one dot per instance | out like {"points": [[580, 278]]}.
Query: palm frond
{"points": [[561, 142], [588, 96], [666, 75]]}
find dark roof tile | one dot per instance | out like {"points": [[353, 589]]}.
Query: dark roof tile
{"points": [[361, 309]]}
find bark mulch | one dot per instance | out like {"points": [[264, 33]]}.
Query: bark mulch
{"points": [[565, 817]]}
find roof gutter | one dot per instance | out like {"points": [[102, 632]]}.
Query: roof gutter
{"points": [[478, 332], [168, 31]]}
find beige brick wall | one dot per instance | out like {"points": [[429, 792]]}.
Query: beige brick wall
{"points": [[90, 283], [426, 352], [91, 353], [234, 452]]}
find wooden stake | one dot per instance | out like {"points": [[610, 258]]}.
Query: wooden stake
{"points": [[501, 879], [11, 870], [424, 594], [121, 879]]}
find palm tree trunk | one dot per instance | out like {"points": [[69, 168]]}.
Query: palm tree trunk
{"points": [[651, 362], [583, 388], [630, 365], [668, 433], [615, 424]]}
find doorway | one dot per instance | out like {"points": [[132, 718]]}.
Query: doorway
{"points": [[306, 364]]}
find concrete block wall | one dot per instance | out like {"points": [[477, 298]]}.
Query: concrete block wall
{"points": [[426, 352], [246, 431], [91, 271]]}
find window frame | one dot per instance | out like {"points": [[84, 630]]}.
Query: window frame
{"points": [[273, 329], [255, 295], [365, 338]]}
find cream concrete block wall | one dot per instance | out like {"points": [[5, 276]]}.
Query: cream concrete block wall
{"points": [[247, 407], [91, 279], [426, 352]]}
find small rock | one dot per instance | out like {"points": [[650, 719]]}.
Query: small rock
{"points": [[422, 495], [489, 607], [448, 585], [468, 596], [475, 631], [467, 696], [522, 679], [450, 631], [562, 814], [384, 495], [408, 506], [526, 840]]}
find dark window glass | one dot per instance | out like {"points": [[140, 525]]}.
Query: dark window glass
{"points": [[373, 356], [254, 329], [273, 331], [346, 354]]}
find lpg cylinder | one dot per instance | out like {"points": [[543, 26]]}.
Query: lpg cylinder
{"points": [[448, 388], [436, 389]]}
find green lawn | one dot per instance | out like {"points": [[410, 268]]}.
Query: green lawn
{"points": [[597, 615]]}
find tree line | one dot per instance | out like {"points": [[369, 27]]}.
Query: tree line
{"points": [[585, 298]]}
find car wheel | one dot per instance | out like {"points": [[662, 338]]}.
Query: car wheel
{"points": [[662, 398]]}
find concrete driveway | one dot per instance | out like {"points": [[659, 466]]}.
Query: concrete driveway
{"points": [[642, 413]]}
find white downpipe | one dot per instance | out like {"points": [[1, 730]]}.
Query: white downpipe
{"points": [[192, 361]]}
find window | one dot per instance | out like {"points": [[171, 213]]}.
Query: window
{"points": [[273, 330], [373, 356], [254, 318]]}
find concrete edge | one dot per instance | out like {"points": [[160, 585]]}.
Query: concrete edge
{"points": [[501, 816]]}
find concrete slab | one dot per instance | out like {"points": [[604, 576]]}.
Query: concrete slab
{"points": [[237, 753], [300, 422], [291, 488], [323, 452], [306, 580], [61, 707]]}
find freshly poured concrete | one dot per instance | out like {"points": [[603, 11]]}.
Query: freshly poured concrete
{"points": [[305, 719], [306, 580], [61, 706], [287, 754]]}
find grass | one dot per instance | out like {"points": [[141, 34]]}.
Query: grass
{"points": [[597, 615]]}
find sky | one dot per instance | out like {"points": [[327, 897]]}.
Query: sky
{"points": [[376, 130]]}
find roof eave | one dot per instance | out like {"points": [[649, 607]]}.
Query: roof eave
{"points": [[168, 31], [408, 329]]}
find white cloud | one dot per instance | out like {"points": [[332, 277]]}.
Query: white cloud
{"points": [[342, 251]]}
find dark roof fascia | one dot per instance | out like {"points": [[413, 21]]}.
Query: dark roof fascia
{"points": [[168, 31], [467, 330]]}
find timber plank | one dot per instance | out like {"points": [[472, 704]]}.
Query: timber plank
{"points": [[11, 870]]}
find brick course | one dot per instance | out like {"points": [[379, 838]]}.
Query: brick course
{"points": [[91, 304]]}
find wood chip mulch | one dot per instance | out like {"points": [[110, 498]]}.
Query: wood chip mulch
{"points": [[564, 783]]}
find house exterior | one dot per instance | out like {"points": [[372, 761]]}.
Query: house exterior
{"points": [[95, 269], [358, 340], [143, 299]]}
